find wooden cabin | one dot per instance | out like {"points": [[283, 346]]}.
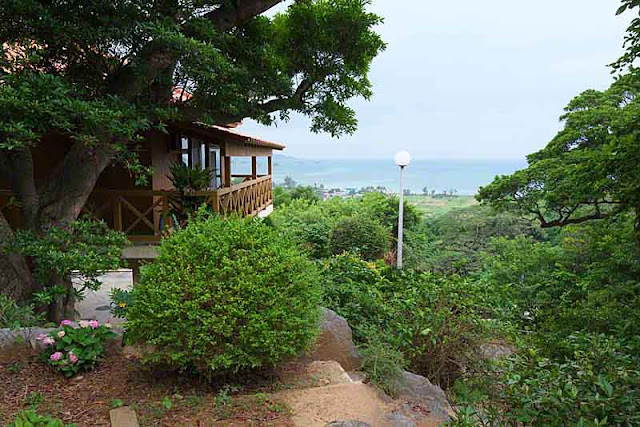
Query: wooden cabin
{"points": [[143, 212]]}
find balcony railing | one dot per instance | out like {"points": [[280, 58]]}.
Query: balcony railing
{"points": [[144, 215]]}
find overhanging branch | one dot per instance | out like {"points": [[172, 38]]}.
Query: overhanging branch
{"points": [[236, 12]]}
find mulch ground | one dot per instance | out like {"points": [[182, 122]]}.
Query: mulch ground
{"points": [[160, 398]]}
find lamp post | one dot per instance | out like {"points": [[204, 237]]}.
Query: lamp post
{"points": [[402, 159]]}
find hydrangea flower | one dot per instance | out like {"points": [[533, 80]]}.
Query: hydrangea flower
{"points": [[48, 341], [94, 324], [56, 356], [72, 357], [83, 323], [61, 334], [65, 322]]}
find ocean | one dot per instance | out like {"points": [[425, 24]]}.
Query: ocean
{"points": [[463, 175]]}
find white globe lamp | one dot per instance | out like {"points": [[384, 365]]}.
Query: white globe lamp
{"points": [[402, 159]]}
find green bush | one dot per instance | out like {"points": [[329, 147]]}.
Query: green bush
{"points": [[437, 323], [30, 418], [121, 301], [224, 296], [309, 223], [359, 234], [73, 349], [598, 385], [383, 364], [15, 316], [283, 196]]}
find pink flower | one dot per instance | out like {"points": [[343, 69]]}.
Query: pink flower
{"points": [[65, 323], [72, 357], [56, 356], [94, 324], [48, 341], [41, 337]]}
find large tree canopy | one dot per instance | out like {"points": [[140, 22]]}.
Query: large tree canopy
{"points": [[590, 170], [101, 73], [313, 58]]}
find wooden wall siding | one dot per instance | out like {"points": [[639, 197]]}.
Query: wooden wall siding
{"points": [[236, 149]]}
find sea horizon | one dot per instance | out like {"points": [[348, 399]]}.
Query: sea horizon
{"points": [[464, 175]]}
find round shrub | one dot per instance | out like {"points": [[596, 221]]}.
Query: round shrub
{"points": [[359, 234], [224, 296]]}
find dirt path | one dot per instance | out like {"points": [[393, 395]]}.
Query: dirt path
{"points": [[338, 398]]}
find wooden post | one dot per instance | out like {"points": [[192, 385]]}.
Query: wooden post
{"points": [[215, 200], [270, 165], [117, 214], [227, 171], [254, 167]]}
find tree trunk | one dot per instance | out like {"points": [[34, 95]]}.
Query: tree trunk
{"points": [[57, 202], [69, 186], [16, 280]]}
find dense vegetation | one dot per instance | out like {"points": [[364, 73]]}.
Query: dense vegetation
{"points": [[562, 304]]}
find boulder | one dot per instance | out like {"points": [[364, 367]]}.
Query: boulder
{"points": [[398, 419], [335, 342], [417, 389]]}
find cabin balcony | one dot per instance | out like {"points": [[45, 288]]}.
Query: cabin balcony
{"points": [[146, 215]]}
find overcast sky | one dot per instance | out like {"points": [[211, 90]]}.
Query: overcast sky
{"points": [[470, 79]]}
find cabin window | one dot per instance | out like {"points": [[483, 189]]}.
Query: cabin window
{"points": [[198, 154], [184, 150], [214, 165]]}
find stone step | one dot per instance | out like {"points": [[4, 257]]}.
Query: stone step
{"points": [[124, 416]]}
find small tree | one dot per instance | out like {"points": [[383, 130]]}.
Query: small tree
{"points": [[360, 234], [83, 250]]}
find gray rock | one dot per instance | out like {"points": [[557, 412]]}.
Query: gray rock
{"points": [[418, 389], [335, 342], [397, 419], [350, 423]]}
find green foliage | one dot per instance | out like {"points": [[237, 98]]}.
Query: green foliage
{"points": [[188, 180], [283, 195], [73, 349], [30, 418], [121, 302], [359, 234], [84, 248], [310, 224], [599, 384], [587, 282], [457, 241], [383, 364], [575, 302], [15, 316], [589, 170], [224, 296], [248, 68], [435, 322]]}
